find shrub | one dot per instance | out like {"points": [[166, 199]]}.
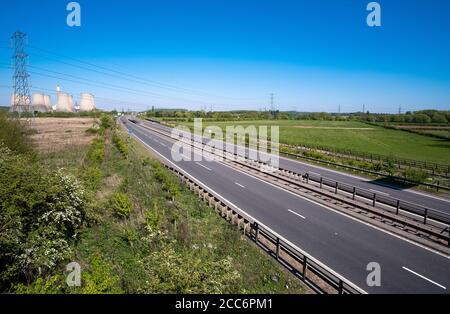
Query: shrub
{"points": [[14, 135], [168, 182], [40, 213], [43, 249], [186, 272], [93, 130], [377, 166], [121, 205], [96, 151], [120, 144], [106, 121], [53, 285], [415, 175], [153, 218], [100, 278], [92, 176]]}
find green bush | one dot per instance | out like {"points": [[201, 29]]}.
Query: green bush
{"points": [[107, 121], [53, 285], [92, 176], [168, 182], [317, 155], [120, 144], [41, 212], [121, 205], [415, 175], [100, 278], [96, 151], [187, 272], [153, 218], [13, 134], [94, 130]]}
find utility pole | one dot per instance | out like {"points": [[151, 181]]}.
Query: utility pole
{"points": [[272, 107], [271, 103], [339, 108], [400, 109], [364, 108], [21, 98]]}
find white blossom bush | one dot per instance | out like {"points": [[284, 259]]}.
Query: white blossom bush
{"points": [[40, 213], [66, 205], [43, 250]]}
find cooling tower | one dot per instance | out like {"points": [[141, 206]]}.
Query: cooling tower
{"points": [[38, 102], [48, 102], [87, 102], [64, 102], [71, 103]]}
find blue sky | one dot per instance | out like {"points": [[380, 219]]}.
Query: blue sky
{"points": [[230, 54]]}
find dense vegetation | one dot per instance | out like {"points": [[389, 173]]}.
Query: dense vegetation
{"points": [[13, 135], [353, 136], [423, 116], [126, 220]]}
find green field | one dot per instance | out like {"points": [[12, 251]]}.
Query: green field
{"points": [[357, 136]]}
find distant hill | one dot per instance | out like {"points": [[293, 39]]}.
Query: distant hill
{"points": [[4, 108]]}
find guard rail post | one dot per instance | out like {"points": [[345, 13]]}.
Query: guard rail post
{"points": [[278, 249], [305, 267], [341, 287]]}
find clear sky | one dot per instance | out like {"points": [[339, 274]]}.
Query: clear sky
{"points": [[231, 54]]}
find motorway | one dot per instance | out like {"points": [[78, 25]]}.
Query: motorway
{"points": [[428, 201], [343, 244]]}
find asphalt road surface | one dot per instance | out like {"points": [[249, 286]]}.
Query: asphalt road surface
{"points": [[428, 201], [343, 244]]}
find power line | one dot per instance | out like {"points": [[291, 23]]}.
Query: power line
{"points": [[134, 78], [121, 75], [80, 80], [116, 88], [96, 82]]}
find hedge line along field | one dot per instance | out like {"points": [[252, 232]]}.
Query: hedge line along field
{"points": [[354, 135]]}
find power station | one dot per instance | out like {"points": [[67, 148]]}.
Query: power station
{"points": [[41, 102], [21, 101]]}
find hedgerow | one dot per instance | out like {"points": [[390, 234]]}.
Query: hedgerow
{"points": [[41, 212]]}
